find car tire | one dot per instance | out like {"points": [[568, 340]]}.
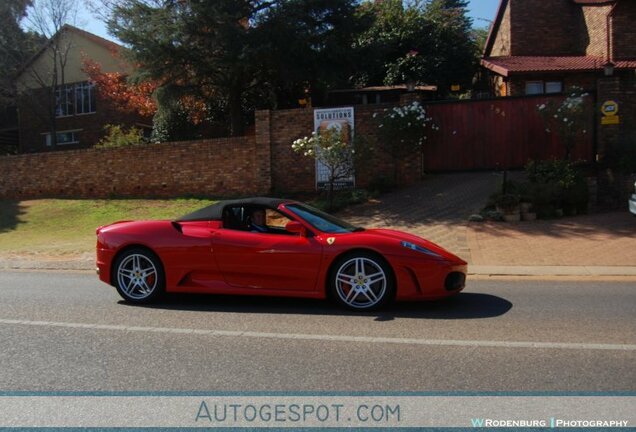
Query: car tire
{"points": [[362, 281], [138, 276]]}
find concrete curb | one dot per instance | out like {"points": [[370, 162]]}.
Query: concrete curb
{"points": [[552, 270], [476, 270]]}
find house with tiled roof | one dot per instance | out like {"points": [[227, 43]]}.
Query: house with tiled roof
{"points": [[66, 94], [546, 46]]}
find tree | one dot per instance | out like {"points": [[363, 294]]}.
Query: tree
{"points": [[306, 46], [126, 96], [196, 48], [422, 42], [455, 50], [236, 55], [48, 18], [16, 46]]}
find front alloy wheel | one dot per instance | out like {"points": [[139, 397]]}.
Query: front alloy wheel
{"points": [[362, 282], [139, 276]]}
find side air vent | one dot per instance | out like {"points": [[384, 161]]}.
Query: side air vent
{"points": [[177, 226]]}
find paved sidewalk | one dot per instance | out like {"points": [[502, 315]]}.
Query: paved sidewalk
{"points": [[596, 240]]}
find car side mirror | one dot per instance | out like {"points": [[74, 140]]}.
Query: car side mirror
{"points": [[295, 227]]}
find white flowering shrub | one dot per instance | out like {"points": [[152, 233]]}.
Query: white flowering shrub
{"points": [[568, 119], [404, 130], [333, 151]]}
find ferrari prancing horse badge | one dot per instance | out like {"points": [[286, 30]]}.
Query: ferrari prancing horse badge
{"points": [[331, 240]]}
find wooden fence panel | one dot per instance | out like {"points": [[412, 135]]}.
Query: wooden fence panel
{"points": [[501, 133]]}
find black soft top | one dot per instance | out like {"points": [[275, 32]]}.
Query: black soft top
{"points": [[215, 211]]}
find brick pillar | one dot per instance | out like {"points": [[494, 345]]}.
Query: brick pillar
{"points": [[263, 143], [613, 185], [608, 88]]}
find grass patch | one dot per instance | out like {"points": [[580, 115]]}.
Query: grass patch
{"points": [[59, 227]]}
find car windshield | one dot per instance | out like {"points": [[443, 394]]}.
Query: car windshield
{"points": [[320, 220]]}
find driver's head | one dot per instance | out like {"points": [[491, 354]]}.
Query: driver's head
{"points": [[258, 217]]}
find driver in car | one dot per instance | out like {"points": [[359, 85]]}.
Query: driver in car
{"points": [[257, 221]]}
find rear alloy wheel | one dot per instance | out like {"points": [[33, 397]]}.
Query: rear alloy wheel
{"points": [[362, 281], [139, 276]]}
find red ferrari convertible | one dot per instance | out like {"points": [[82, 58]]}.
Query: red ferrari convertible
{"points": [[275, 247]]}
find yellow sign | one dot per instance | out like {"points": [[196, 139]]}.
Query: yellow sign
{"points": [[609, 108], [331, 240], [610, 120]]}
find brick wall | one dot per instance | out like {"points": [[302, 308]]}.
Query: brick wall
{"points": [[622, 90], [502, 43], [545, 28], [34, 122], [561, 27], [220, 167], [293, 172], [473, 135], [624, 30], [615, 187]]}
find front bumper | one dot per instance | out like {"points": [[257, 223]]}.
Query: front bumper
{"points": [[429, 279]]}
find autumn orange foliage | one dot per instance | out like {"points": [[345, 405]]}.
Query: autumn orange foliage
{"points": [[128, 97], [137, 98]]}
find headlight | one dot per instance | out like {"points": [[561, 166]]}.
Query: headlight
{"points": [[421, 249]]}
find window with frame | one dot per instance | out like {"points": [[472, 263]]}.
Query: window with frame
{"points": [[541, 87], [63, 137], [72, 99], [64, 100], [84, 98], [534, 87], [553, 87]]}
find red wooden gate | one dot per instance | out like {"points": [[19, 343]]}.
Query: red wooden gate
{"points": [[499, 133]]}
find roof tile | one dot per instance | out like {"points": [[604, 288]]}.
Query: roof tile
{"points": [[522, 64]]}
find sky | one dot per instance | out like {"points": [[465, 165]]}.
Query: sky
{"points": [[482, 12]]}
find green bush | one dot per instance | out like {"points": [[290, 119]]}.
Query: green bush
{"points": [[117, 136], [556, 184], [556, 171]]}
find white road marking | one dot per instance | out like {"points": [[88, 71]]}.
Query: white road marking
{"points": [[331, 338]]}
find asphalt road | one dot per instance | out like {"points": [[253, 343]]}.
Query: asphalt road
{"points": [[70, 332]]}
